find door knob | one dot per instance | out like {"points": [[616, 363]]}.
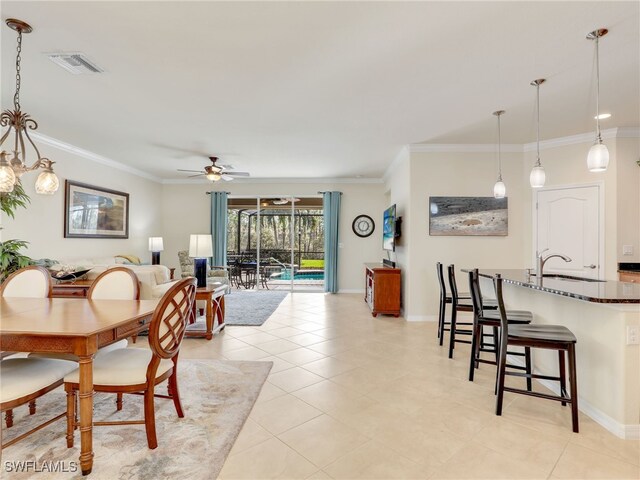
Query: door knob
{"points": [[592, 266]]}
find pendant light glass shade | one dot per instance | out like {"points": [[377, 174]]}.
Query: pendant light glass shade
{"points": [[7, 175], [499, 189], [598, 157], [537, 177], [47, 183]]}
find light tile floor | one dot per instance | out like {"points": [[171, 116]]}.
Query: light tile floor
{"points": [[352, 396]]}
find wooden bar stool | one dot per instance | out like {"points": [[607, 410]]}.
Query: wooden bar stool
{"points": [[554, 337], [444, 299], [491, 318], [457, 306]]}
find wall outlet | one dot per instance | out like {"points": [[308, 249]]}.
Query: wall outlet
{"points": [[627, 250], [633, 335]]}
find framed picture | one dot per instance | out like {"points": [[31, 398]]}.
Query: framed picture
{"points": [[95, 212], [467, 216]]}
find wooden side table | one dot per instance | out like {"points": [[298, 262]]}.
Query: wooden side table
{"points": [[77, 289], [213, 294]]}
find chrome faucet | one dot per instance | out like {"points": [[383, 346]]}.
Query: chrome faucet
{"points": [[542, 260]]}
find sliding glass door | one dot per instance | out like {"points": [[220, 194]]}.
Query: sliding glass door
{"points": [[276, 243]]}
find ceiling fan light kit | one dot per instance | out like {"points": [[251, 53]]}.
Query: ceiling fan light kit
{"points": [[215, 172], [19, 124], [598, 156]]}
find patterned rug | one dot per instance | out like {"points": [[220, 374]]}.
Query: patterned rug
{"points": [[217, 397], [251, 307]]}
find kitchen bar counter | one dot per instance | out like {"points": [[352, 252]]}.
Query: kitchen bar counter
{"points": [[597, 291], [602, 316]]}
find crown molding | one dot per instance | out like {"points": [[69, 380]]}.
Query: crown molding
{"points": [[94, 157], [463, 148], [280, 180], [619, 132]]}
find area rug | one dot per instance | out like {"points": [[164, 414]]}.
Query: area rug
{"points": [[217, 397], [251, 307]]}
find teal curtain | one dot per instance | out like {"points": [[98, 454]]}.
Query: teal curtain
{"points": [[331, 206], [219, 220]]}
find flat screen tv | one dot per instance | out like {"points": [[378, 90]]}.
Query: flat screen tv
{"points": [[389, 229]]}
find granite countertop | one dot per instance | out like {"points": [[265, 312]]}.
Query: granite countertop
{"points": [[587, 290]]}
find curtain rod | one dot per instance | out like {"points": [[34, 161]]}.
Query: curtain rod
{"points": [[329, 191], [209, 193]]}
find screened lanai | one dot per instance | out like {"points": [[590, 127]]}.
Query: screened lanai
{"points": [[276, 243]]}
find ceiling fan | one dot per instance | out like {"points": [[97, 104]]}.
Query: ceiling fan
{"points": [[284, 201], [215, 172]]}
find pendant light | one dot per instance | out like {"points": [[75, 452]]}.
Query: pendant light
{"points": [[499, 189], [537, 176], [598, 157]]}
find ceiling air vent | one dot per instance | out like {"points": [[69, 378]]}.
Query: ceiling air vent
{"points": [[76, 63]]}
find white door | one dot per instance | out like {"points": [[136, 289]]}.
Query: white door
{"points": [[568, 222]]}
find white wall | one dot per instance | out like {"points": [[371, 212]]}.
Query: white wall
{"points": [[42, 223], [628, 189], [186, 210], [464, 175]]}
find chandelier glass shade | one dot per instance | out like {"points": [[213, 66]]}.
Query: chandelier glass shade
{"points": [[537, 177], [499, 189], [598, 157], [14, 142]]}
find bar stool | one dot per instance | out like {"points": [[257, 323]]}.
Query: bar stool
{"points": [[456, 307], [444, 299], [554, 337], [491, 318]]}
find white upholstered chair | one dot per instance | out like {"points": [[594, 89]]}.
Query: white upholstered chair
{"points": [[25, 379], [139, 370], [28, 282]]}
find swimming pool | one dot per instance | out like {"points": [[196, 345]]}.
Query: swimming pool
{"points": [[300, 275]]}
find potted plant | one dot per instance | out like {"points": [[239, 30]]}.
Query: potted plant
{"points": [[11, 259]]}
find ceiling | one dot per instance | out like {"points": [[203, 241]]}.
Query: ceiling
{"points": [[315, 89]]}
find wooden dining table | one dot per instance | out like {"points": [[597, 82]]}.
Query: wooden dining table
{"points": [[78, 326]]}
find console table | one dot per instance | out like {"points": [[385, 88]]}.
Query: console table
{"points": [[77, 289], [382, 289]]}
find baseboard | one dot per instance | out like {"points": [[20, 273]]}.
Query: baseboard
{"points": [[620, 430], [421, 318], [351, 290]]}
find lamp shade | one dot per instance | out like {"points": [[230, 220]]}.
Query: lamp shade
{"points": [[155, 244], [598, 158], [537, 177], [200, 246], [47, 183], [499, 189]]}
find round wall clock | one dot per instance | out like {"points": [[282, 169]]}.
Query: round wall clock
{"points": [[363, 225]]}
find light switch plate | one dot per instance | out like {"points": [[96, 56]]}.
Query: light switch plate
{"points": [[633, 335], [627, 249]]}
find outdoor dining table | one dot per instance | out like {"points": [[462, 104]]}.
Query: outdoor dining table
{"points": [[78, 326]]}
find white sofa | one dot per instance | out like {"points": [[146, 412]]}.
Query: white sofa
{"points": [[155, 280]]}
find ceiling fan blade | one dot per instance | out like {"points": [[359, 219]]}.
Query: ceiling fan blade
{"points": [[236, 174], [227, 178], [181, 170], [198, 175]]}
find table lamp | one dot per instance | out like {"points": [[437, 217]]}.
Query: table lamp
{"points": [[200, 248], [155, 247]]}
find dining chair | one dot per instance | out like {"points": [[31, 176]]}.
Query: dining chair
{"points": [[551, 337], [140, 370], [28, 282], [491, 318], [24, 380]]}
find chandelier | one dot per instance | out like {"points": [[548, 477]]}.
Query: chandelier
{"points": [[13, 164]]}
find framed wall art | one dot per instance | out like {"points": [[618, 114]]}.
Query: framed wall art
{"points": [[468, 216], [95, 212]]}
